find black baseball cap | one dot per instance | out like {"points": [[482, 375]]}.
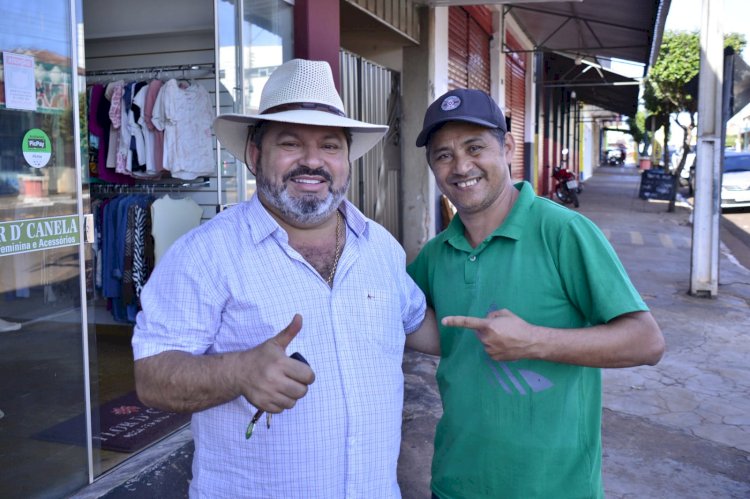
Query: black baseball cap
{"points": [[462, 104]]}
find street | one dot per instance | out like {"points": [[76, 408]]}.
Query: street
{"points": [[741, 218], [735, 230], [735, 233]]}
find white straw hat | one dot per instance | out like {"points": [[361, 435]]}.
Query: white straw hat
{"points": [[298, 91]]}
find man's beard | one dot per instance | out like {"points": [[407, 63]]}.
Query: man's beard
{"points": [[307, 209]]}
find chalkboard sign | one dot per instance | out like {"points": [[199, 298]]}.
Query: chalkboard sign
{"points": [[656, 184]]}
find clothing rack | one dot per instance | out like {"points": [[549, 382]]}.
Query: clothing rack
{"points": [[104, 189], [152, 69]]}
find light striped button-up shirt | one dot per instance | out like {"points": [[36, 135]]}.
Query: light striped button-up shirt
{"points": [[235, 282]]}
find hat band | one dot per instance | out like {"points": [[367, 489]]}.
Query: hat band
{"points": [[304, 106]]}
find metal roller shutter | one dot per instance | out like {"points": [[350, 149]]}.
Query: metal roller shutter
{"points": [[458, 54], [515, 103], [469, 48]]}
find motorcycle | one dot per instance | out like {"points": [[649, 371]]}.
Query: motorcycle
{"points": [[615, 157], [568, 187]]}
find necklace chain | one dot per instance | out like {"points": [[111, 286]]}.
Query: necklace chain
{"points": [[337, 253]]}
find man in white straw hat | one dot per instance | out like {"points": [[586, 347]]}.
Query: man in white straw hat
{"points": [[297, 269]]}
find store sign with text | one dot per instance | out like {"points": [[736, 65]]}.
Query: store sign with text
{"points": [[24, 236]]}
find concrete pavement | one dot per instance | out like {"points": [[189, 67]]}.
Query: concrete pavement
{"points": [[690, 414], [680, 429]]}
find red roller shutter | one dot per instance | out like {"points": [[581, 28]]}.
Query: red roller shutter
{"points": [[469, 48], [515, 103], [458, 54]]}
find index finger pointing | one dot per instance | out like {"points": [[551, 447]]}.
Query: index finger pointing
{"points": [[464, 321]]}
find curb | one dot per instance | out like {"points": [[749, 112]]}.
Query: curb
{"points": [[736, 230]]}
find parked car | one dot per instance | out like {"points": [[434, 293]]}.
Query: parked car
{"points": [[735, 183]]}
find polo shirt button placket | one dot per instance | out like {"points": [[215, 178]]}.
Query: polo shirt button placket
{"points": [[470, 270]]}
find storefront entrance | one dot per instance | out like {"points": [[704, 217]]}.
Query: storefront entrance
{"points": [[42, 259], [68, 411]]}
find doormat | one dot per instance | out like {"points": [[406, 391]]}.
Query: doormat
{"points": [[122, 425]]}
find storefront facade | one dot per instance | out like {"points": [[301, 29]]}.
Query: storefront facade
{"points": [[69, 414], [69, 198], [64, 335]]}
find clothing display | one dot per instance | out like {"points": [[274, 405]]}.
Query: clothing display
{"points": [[183, 111], [149, 129], [133, 125], [235, 282], [100, 124], [525, 428], [119, 242], [114, 93], [131, 232], [153, 137]]}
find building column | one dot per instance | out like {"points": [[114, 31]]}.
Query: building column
{"points": [[317, 32], [425, 77], [497, 60]]}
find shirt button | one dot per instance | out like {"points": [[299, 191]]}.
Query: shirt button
{"points": [[472, 258]]}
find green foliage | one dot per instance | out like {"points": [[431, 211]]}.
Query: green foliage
{"points": [[666, 88], [637, 125], [735, 40], [678, 63]]}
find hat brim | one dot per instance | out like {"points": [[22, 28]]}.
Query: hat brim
{"points": [[232, 129], [424, 135]]}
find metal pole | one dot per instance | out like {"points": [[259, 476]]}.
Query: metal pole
{"points": [[704, 265], [78, 88]]}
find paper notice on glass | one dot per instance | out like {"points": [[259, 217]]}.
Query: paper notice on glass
{"points": [[20, 86]]}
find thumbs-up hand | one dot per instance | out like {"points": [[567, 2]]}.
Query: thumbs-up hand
{"points": [[269, 379]]}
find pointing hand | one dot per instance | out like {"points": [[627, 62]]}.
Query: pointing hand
{"points": [[505, 336]]}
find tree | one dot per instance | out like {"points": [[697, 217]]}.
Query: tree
{"points": [[671, 85], [637, 126]]}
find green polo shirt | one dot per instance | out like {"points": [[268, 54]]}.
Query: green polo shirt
{"points": [[526, 428]]}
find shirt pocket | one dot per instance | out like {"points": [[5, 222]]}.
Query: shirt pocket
{"points": [[384, 328]]}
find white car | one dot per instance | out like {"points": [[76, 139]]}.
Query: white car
{"points": [[735, 182]]}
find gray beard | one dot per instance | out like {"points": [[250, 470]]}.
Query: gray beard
{"points": [[305, 210]]}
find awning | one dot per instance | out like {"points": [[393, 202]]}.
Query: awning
{"points": [[587, 31], [629, 30], [592, 84]]}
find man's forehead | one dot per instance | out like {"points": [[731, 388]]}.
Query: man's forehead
{"points": [[459, 130]]}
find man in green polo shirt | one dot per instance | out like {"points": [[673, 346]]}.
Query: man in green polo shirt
{"points": [[532, 301]]}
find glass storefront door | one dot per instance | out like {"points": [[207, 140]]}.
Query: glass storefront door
{"points": [[254, 38], [61, 358], [43, 349]]}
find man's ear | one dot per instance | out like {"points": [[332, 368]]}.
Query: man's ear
{"points": [[510, 146], [252, 153]]}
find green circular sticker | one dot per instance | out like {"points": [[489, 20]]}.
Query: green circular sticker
{"points": [[37, 148]]}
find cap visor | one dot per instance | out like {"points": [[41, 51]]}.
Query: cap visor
{"points": [[424, 135]]}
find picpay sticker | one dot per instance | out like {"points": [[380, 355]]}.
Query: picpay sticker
{"points": [[37, 148]]}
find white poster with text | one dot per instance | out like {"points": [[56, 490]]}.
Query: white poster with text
{"points": [[20, 86]]}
